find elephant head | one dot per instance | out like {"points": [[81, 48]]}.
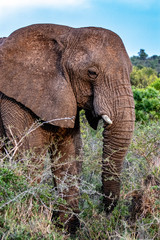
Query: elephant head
{"points": [[100, 70], [54, 70]]}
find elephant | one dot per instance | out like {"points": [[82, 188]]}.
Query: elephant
{"points": [[49, 73]]}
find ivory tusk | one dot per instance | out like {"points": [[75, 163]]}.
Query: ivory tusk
{"points": [[106, 119]]}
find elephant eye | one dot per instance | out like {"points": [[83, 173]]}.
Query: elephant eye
{"points": [[93, 73]]}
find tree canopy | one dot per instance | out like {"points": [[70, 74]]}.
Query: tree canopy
{"points": [[142, 54], [142, 60]]}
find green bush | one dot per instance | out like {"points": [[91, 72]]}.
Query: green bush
{"points": [[143, 77], [156, 84], [10, 184], [147, 103]]}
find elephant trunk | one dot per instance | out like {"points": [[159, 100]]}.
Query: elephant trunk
{"points": [[117, 137]]}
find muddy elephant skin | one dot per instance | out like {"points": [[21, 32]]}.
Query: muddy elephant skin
{"points": [[49, 73]]}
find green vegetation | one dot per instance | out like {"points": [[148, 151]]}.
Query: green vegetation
{"points": [[147, 104], [156, 84], [142, 60], [26, 208], [145, 81], [143, 77]]}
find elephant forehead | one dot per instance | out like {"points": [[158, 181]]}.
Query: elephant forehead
{"points": [[98, 37], [97, 46]]}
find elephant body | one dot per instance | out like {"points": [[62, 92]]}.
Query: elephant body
{"points": [[48, 73]]}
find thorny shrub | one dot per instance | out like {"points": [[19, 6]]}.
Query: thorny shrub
{"points": [[26, 207]]}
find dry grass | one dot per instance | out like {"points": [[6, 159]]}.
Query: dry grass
{"points": [[26, 206]]}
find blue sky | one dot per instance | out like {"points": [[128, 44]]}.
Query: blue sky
{"points": [[137, 22]]}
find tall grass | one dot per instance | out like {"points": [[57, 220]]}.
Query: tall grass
{"points": [[26, 206]]}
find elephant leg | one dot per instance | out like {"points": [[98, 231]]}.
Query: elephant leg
{"points": [[29, 141], [66, 167]]}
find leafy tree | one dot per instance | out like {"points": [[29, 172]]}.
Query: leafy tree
{"points": [[142, 54], [144, 61]]}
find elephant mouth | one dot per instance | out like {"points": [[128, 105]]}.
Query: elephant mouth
{"points": [[94, 118], [92, 115]]}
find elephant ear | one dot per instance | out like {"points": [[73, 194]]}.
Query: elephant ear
{"points": [[31, 72], [92, 119]]}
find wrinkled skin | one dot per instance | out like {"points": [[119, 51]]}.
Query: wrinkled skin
{"points": [[51, 72]]}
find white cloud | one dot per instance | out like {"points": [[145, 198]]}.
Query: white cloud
{"points": [[12, 6], [32, 3]]}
